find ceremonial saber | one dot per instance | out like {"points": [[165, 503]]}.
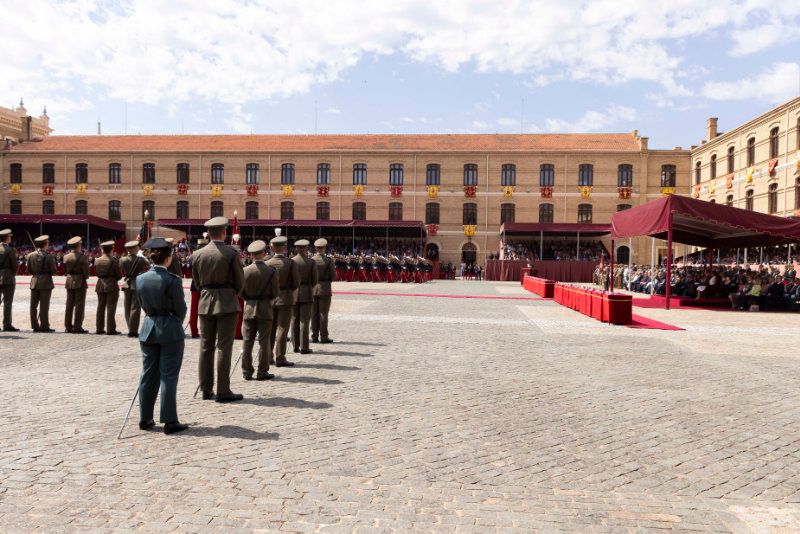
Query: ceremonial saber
{"points": [[119, 436], [233, 368]]}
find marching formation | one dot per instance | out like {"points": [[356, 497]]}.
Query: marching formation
{"points": [[377, 268]]}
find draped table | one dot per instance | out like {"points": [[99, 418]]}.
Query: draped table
{"points": [[504, 270], [564, 270]]}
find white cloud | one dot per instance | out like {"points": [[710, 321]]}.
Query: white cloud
{"points": [[333, 111], [591, 121], [777, 83], [239, 121], [507, 122]]}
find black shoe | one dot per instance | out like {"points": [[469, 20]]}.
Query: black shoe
{"points": [[306, 351], [230, 397], [133, 334], [267, 376], [10, 329], [285, 363], [146, 425], [209, 396], [247, 377], [100, 333], [114, 333], [326, 341], [79, 331], [68, 330], [177, 426], [195, 336], [314, 340], [296, 349], [46, 330]]}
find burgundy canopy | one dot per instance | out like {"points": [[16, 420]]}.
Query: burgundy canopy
{"points": [[115, 226], [555, 228], [300, 223]]}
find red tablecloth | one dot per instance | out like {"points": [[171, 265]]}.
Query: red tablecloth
{"points": [[504, 270], [565, 270], [540, 286], [614, 308]]}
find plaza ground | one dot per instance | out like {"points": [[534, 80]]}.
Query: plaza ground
{"points": [[428, 414]]}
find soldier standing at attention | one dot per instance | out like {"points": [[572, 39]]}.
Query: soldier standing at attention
{"points": [[76, 268], [217, 271], [107, 289], [9, 264], [288, 282], [260, 289], [326, 274], [41, 267], [132, 265], [301, 314]]}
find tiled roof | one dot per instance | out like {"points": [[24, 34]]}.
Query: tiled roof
{"points": [[606, 142]]}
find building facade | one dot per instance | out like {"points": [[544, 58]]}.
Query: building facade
{"points": [[17, 126]]}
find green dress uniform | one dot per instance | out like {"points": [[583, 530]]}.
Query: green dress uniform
{"points": [[132, 266], [260, 289], [8, 279], [42, 268], [76, 268], [107, 289], [301, 313], [326, 275], [288, 282]]}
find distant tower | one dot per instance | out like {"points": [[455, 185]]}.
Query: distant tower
{"points": [[99, 130]]}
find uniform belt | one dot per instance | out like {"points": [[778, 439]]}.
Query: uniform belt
{"points": [[106, 278], [158, 314], [216, 286], [285, 288], [248, 297]]}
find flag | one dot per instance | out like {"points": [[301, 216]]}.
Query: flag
{"points": [[235, 237], [144, 232]]}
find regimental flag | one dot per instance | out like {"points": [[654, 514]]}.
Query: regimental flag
{"points": [[145, 231], [235, 236]]}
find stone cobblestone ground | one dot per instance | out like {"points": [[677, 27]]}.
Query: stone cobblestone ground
{"points": [[428, 414]]}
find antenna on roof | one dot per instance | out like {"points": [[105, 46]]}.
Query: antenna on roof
{"points": [[522, 117], [126, 117], [315, 117], [99, 130]]}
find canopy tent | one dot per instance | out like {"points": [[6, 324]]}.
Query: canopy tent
{"points": [[541, 230], [90, 227], [700, 223]]}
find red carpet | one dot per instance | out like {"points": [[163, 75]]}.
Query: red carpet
{"points": [[434, 295], [646, 323], [659, 302]]}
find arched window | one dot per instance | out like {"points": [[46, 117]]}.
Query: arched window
{"points": [[433, 174], [773, 142], [507, 213], [585, 174], [148, 173], [547, 175], [217, 173], [545, 213], [48, 207], [772, 198], [323, 174], [81, 207], [748, 200], [713, 200], [668, 175], [15, 207], [713, 166], [114, 174], [625, 175], [251, 210], [470, 174], [395, 211], [287, 174], [217, 209], [182, 209], [508, 174], [697, 172], [470, 213], [751, 151], [623, 207], [252, 174], [81, 173], [359, 174], [48, 173], [149, 207], [359, 211], [585, 213], [729, 200], [396, 174], [432, 213], [115, 210], [16, 173], [287, 210], [182, 173], [323, 211], [731, 159]]}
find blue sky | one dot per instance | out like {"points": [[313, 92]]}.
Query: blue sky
{"points": [[468, 66]]}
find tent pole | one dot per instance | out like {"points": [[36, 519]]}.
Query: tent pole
{"points": [[789, 254], [761, 256], [578, 247], [541, 244], [611, 269], [745, 256], [669, 260], [630, 252], [387, 241], [354, 238]]}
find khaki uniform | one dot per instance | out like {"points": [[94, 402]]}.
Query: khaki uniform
{"points": [[326, 275], [107, 289], [175, 266], [132, 266], [288, 282], [76, 267], [42, 268], [260, 289], [8, 280], [301, 313], [217, 273]]}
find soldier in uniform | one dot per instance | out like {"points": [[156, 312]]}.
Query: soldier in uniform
{"points": [[301, 314], [107, 289], [260, 289], [288, 282], [326, 275], [42, 268], [76, 268], [175, 263], [132, 265], [217, 272], [9, 264]]}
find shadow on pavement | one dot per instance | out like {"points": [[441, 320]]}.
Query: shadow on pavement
{"points": [[362, 343], [344, 353], [307, 380], [286, 402], [331, 366], [230, 431]]}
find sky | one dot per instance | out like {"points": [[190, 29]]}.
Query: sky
{"points": [[416, 66]]}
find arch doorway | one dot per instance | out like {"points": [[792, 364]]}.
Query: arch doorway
{"points": [[469, 253], [431, 252], [623, 254]]}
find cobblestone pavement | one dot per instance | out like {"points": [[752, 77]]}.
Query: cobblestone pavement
{"points": [[428, 414]]}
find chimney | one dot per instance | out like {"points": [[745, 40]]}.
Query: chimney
{"points": [[643, 143], [711, 128], [27, 128]]}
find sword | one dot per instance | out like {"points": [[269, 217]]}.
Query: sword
{"points": [[233, 368], [119, 436]]}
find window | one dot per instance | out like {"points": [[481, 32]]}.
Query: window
{"points": [[395, 211], [396, 174], [359, 174], [796, 134], [81, 173], [359, 211], [713, 166], [697, 172], [182, 173], [713, 200], [547, 175], [48, 173], [545, 213], [731, 159], [287, 174], [585, 174], [217, 209], [584, 213], [149, 209], [507, 213], [797, 194], [287, 210], [625, 176], [251, 210], [252, 174], [81, 207], [729, 200], [114, 174], [323, 174], [470, 213], [148, 173], [668, 176], [432, 213], [16, 207], [217, 173], [16, 173], [751, 151], [772, 198], [323, 211], [115, 210], [433, 174], [748, 200], [48, 207], [182, 209], [623, 207], [470, 174], [773, 143], [508, 174]]}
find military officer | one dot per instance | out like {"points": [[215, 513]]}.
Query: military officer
{"points": [[42, 268], [161, 296], [288, 282], [132, 265], [107, 288], [326, 274], [217, 272], [8, 277], [76, 268], [175, 263], [260, 289], [301, 313]]}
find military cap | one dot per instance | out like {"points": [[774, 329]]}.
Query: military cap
{"points": [[216, 222], [5, 232], [257, 246], [74, 241], [107, 244], [280, 240], [157, 243], [169, 240], [321, 242], [41, 239], [301, 243], [131, 244]]}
